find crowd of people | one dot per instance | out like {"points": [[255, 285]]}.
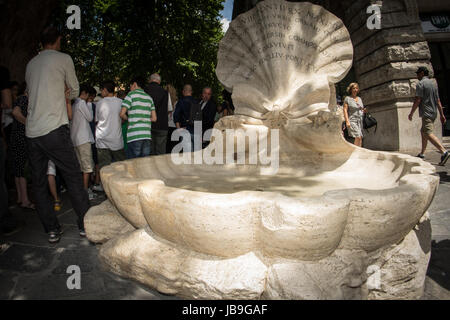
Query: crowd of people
{"points": [[67, 132]]}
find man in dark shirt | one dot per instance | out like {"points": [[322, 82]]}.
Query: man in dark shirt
{"points": [[161, 126], [183, 110], [428, 102], [209, 109]]}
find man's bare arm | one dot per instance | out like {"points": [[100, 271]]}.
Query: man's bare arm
{"points": [[123, 114], [17, 114], [441, 112], [69, 110], [6, 99], [416, 104], [68, 104], [71, 79]]}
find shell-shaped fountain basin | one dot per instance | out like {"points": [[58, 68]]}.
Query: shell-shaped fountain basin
{"points": [[314, 204], [305, 224]]}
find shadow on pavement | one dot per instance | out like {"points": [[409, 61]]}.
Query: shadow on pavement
{"points": [[439, 267], [445, 178]]}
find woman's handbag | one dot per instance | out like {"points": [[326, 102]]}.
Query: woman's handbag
{"points": [[369, 121]]}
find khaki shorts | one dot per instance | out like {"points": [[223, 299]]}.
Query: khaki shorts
{"points": [[84, 155], [427, 126]]}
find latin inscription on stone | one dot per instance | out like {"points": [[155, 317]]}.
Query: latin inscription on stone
{"points": [[292, 35]]}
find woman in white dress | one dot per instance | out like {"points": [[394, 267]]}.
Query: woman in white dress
{"points": [[353, 113]]}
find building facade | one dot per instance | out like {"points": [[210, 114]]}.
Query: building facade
{"points": [[413, 33]]}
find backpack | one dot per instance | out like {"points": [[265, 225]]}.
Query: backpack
{"points": [[195, 114]]}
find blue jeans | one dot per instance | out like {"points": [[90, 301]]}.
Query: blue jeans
{"points": [[139, 149], [128, 153]]}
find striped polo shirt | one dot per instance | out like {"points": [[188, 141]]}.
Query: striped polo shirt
{"points": [[140, 106]]}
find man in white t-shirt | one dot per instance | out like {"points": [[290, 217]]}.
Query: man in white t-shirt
{"points": [[82, 137], [108, 132]]}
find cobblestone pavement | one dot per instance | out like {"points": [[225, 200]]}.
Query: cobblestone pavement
{"points": [[31, 268]]}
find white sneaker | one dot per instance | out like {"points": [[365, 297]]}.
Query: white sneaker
{"points": [[98, 188], [91, 194]]}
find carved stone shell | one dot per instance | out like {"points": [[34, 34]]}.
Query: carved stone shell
{"points": [[280, 58]]}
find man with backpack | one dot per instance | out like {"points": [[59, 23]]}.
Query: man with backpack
{"points": [[188, 115]]}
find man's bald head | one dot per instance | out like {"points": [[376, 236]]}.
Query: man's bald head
{"points": [[206, 94], [155, 78], [187, 90]]}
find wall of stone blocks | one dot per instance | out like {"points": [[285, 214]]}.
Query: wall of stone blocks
{"points": [[385, 63]]}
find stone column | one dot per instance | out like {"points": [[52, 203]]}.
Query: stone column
{"points": [[385, 63]]}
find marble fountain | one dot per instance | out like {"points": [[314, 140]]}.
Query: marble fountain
{"points": [[333, 221]]}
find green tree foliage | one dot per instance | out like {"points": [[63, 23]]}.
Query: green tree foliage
{"points": [[120, 39]]}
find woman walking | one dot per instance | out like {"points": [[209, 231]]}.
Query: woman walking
{"points": [[19, 149], [353, 113]]}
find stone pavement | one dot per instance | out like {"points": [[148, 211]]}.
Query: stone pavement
{"points": [[31, 268], [437, 285]]}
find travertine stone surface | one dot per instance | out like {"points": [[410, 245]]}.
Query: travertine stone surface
{"points": [[393, 53], [393, 15], [104, 222], [316, 227], [387, 135], [387, 37], [402, 267], [392, 272], [397, 90], [390, 91], [392, 71], [390, 21], [410, 131], [172, 269], [392, 133]]}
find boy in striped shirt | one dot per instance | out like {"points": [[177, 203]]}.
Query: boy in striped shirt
{"points": [[139, 110]]}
